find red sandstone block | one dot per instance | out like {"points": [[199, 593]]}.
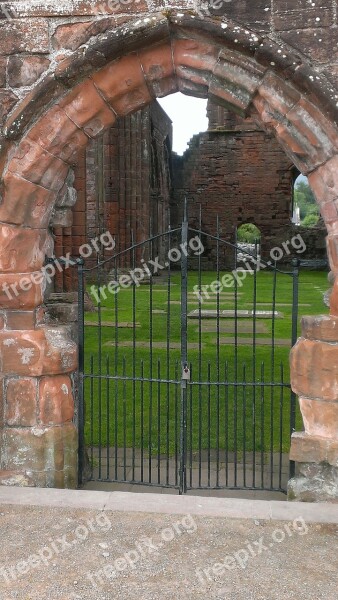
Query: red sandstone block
{"points": [[308, 448], [314, 369], [157, 62], [40, 448], [24, 35], [334, 299], [23, 249], [3, 67], [123, 84], [87, 109], [320, 418], [13, 296], [57, 134], [2, 408], [315, 127], [7, 101], [25, 70], [36, 165], [62, 217], [323, 328], [56, 400], [323, 181], [71, 35], [278, 94], [332, 252], [46, 351], [19, 319], [195, 54], [25, 203], [21, 402], [329, 212]]}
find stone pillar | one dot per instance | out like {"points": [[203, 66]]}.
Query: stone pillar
{"points": [[38, 437], [314, 377]]}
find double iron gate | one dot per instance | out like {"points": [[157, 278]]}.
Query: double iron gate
{"points": [[183, 375]]}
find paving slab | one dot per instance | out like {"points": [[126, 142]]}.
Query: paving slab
{"points": [[155, 547]]}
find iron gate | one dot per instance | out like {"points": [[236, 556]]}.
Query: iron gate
{"points": [[183, 375]]}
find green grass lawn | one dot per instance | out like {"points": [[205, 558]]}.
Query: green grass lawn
{"points": [[234, 415]]}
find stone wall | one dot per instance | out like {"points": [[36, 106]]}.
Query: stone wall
{"points": [[122, 183], [239, 173]]}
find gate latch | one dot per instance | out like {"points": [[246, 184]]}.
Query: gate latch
{"points": [[186, 373]]}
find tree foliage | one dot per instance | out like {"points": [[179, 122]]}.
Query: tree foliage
{"points": [[305, 200], [248, 233]]}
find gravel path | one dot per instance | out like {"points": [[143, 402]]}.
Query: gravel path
{"points": [[76, 554]]}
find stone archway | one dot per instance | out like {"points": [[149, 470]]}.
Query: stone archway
{"points": [[112, 75]]}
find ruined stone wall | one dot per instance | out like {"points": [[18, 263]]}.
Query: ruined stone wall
{"points": [[122, 182], [239, 173]]}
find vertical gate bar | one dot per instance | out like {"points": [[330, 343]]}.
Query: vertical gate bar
{"points": [[134, 357], [99, 338], [92, 412], [124, 402], [184, 346], [295, 293], [142, 419], [108, 415], [200, 358], [81, 349], [254, 326], [235, 365], [158, 422], [168, 355], [151, 248], [262, 422], [244, 424], [116, 368], [272, 389], [190, 428], [226, 380], [281, 414], [209, 422], [177, 462], [217, 354]]}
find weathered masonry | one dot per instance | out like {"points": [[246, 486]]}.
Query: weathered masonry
{"points": [[67, 72], [130, 181], [121, 183]]}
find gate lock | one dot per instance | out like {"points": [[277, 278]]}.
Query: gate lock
{"points": [[186, 373]]}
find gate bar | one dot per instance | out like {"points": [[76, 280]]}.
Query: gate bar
{"points": [[81, 415], [184, 347]]}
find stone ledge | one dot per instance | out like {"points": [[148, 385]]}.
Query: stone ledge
{"points": [[313, 449], [125, 502]]}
